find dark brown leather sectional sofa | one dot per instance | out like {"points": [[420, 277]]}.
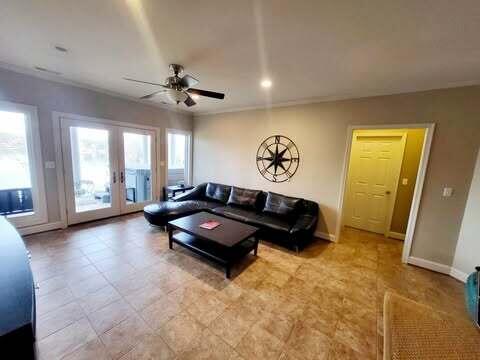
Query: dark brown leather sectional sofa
{"points": [[280, 218]]}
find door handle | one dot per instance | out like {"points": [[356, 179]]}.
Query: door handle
{"points": [[114, 177], [121, 177]]}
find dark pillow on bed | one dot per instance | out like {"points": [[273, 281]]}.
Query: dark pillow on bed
{"points": [[243, 197], [218, 192], [281, 205]]}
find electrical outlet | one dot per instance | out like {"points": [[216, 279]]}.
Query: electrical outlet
{"points": [[404, 181], [49, 164]]}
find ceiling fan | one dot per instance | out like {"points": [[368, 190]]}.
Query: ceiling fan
{"points": [[178, 89]]}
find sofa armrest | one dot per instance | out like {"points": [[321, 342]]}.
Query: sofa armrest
{"points": [[197, 193], [305, 223]]}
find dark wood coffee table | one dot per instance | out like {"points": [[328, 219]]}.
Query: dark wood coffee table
{"points": [[225, 245]]}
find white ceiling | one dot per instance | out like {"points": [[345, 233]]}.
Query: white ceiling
{"points": [[312, 50]]}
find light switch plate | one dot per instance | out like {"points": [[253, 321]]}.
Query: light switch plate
{"points": [[447, 192], [404, 181], [49, 164]]}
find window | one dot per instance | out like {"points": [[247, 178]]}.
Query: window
{"points": [[178, 157], [176, 151], [22, 196]]}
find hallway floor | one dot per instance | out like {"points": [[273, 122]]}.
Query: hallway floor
{"points": [[112, 289]]}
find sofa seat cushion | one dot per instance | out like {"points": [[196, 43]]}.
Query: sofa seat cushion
{"points": [[235, 213], [218, 192], [271, 222], [162, 212], [243, 197]]}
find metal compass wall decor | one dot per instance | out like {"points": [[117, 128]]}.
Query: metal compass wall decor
{"points": [[277, 158]]}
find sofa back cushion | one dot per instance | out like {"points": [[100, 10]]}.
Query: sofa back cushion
{"points": [[243, 197], [281, 205], [217, 192]]}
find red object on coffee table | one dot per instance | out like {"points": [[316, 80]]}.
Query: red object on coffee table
{"points": [[210, 225]]}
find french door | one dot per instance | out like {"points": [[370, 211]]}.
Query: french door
{"points": [[109, 170]]}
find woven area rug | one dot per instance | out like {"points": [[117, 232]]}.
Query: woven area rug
{"points": [[416, 331]]}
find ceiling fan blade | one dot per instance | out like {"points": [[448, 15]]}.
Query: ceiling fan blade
{"points": [[207, 93], [145, 82], [189, 101], [149, 96], [188, 81]]}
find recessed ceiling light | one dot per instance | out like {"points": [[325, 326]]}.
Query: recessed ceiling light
{"points": [[195, 97], [266, 83]]}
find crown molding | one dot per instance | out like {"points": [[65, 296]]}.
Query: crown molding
{"points": [[339, 97], [195, 114], [62, 80]]}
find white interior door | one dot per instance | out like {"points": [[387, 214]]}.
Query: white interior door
{"points": [[137, 168], [90, 166], [375, 164]]}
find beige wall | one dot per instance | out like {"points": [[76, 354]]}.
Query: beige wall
{"points": [[467, 254], [225, 146], [50, 96]]}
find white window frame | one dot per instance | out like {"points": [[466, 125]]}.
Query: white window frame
{"points": [[34, 151], [188, 157]]}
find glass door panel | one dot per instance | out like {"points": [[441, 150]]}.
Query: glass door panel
{"points": [[91, 168], [137, 173], [90, 164]]}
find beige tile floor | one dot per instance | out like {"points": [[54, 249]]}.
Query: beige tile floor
{"points": [[113, 290]]}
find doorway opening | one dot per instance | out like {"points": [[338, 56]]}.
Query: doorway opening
{"points": [[383, 179]]}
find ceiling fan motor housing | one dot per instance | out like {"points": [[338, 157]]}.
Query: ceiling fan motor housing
{"points": [[177, 69]]}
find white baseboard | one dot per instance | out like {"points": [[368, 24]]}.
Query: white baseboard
{"points": [[325, 236], [430, 265], [459, 275], [42, 227], [396, 235]]}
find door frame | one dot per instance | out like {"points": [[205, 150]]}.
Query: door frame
{"points": [[35, 158], [389, 211], [189, 153], [417, 194], [57, 117]]}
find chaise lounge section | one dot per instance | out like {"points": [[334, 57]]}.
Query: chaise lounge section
{"points": [[288, 220]]}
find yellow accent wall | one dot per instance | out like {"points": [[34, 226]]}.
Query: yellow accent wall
{"points": [[411, 160]]}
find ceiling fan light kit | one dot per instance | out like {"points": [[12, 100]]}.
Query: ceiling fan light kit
{"points": [[178, 89], [176, 96]]}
